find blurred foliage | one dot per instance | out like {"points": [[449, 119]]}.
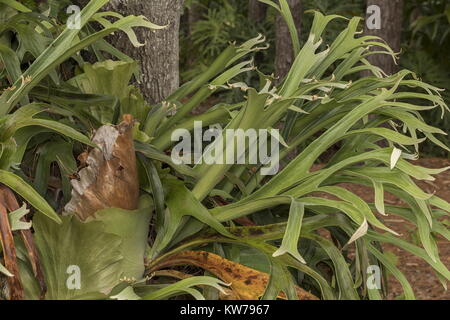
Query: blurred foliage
{"points": [[220, 23]]}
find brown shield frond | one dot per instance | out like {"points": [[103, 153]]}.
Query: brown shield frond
{"points": [[109, 179]]}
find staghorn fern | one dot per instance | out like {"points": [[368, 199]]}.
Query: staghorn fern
{"points": [[197, 207]]}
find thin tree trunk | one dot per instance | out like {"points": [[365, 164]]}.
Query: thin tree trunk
{"points": [[284, 50], [159, 58], [195, 13], [256, 11], [391, 15]]}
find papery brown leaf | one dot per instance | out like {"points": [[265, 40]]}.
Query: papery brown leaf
{"points": [[246, 283], [9, 201], [109, 179]]}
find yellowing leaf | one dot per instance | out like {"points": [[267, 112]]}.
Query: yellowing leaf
{"points": [[246, 283]]}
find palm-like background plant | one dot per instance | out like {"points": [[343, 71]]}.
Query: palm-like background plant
{"points": [[255, 236]]}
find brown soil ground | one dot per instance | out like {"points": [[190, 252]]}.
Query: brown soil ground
{"points": [[419, 273]]}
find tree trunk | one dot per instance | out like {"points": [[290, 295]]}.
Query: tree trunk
{"points": [[256, 11], [195, 13], [391, 18], [159, 58], [284, 56]]}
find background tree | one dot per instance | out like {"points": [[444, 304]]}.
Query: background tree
{"points": [[256, 11], [159, 57], [284, 56], [195, 11], [390, 30]]}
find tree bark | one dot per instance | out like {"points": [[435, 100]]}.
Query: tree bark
{"points": [[390, 30], [159, 57], [256, 11], [284, 56]]}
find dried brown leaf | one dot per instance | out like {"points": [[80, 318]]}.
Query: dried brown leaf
{"points": [[109, 179]]}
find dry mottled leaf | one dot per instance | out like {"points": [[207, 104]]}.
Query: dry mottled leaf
{"points": [[9, 201], [9, 253], [246, 283], [109, 179]]}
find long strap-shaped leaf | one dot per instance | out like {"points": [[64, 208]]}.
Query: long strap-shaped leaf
{"points": [[17, 184]]}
